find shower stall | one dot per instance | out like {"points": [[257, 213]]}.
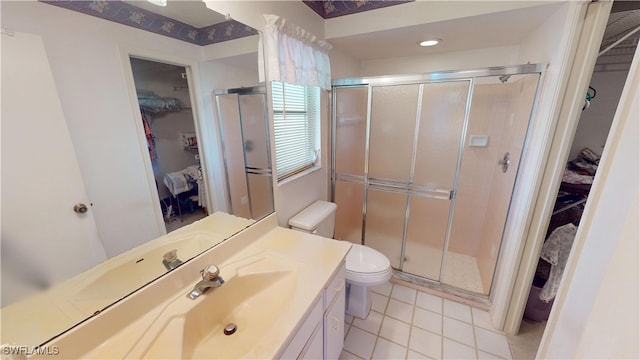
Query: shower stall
{"points": [[242, 121], [424, 166]]}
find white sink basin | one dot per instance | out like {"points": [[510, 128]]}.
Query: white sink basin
{"points": [[256, 293]]}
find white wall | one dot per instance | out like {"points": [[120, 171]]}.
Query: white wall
{"points": [[596, 120], [293, 195], [470, 59], [343, 65], [237, 47], [596, 313], [251, 13]]}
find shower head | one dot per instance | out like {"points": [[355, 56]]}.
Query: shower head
{"points": [[504, 78]]}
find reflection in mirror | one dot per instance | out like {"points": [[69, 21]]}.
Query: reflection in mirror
{"points": [[166, 112], [72, 140], [242, 116]]}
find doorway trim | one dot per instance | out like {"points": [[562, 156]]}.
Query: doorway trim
{"points": [[191, 68], [586, 36]]}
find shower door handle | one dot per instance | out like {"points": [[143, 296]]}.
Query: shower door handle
{"points": [[505, 162]]}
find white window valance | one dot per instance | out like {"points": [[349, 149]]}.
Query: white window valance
{"points": [[296, 56]]}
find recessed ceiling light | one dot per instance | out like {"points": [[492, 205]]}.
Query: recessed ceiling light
{"points": [[158, 2], [430, 42]]}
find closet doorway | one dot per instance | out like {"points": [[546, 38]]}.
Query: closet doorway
{"points": [[619, 43], [172, 141]]}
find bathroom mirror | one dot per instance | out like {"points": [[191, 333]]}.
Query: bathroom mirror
{"points": [[90, 78]]}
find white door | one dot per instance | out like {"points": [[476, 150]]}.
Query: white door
{"points": [[44, 240]]}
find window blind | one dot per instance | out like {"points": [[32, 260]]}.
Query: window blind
{"points": [[296, 121]]}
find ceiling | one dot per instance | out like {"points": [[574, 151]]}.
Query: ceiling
{"points": [[620, 56], [191, 12], [492, 30], [619, 24]]}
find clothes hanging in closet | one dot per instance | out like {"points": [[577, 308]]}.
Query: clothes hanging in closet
{"points": [[151, 143]]}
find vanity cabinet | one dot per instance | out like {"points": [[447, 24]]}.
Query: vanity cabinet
{"points": [[334, 316], [315, 347], [321, 335]]}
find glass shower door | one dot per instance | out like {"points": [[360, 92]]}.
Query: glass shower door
{"points": [[233, 152], [394, 112], [399, 170], [257, 158], [498, 120], [439, 138], [242, 116], [349, 161]]}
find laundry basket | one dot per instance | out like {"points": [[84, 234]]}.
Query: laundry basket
{"points": [[536, 309]]}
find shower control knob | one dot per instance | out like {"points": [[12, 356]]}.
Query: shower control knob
{"points": [[80, 208]]}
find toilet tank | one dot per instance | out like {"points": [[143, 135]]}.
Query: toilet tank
{"points": [[319, 218]]}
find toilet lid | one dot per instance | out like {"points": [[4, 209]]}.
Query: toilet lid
{"points": [[364, 259]]}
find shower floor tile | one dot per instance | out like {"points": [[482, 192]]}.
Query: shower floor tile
{"points": [[462, 271]]}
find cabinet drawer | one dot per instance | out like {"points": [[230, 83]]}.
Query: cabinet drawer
{"points": [[336, 285]]}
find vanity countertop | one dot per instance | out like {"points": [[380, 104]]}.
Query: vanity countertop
{"points": [[302, 265], [41, 316]]}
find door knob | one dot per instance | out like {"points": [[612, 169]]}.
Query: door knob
{"points": [[80, 208], [505, 162]]}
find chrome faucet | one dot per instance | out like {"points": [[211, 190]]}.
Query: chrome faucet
{"points": [[170, 260], [210, 279]]}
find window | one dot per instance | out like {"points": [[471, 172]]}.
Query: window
{"points": [[296, 121]]}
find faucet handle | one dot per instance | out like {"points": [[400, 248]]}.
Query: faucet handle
{"points": [[210, 272], [171, 256]]}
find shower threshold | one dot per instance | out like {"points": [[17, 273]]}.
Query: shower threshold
{"points": [[480, 301]]}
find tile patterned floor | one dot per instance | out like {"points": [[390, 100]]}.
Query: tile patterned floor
{"points": [[408, 324]]}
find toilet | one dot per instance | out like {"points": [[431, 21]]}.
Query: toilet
{"points": [[366, 267]]}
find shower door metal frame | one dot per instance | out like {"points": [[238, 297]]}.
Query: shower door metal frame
{"points": [[426, 78], [254, 90]]}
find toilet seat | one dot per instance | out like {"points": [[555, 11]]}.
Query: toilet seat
{"points": [[367, 266], [367, 279], [363, 259]]}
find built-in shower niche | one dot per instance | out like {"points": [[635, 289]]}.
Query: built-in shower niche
{"points": [[418, 168]]}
